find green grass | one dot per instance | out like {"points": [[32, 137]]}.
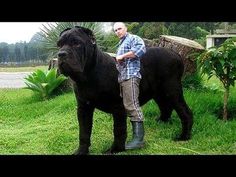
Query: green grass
{"points": [[22, 69], [30, 126]]}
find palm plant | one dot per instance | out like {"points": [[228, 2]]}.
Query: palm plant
{"points": [[50, 33], [44, 83]]}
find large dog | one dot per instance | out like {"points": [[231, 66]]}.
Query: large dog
{"points": [[96, 86]]}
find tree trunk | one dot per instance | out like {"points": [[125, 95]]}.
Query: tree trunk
{"points": [[225, 107], [185, 48]]}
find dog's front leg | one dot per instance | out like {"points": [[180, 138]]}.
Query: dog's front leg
{"points": [[85, 119]]}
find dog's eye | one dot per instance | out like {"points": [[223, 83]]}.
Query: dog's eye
{"points": [[74, 43], [77, 45]]}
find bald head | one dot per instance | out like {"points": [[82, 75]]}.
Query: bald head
{"points": [[120, 29], [118, 25]]}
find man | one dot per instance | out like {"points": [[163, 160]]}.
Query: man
{"points": [[131, 48]]}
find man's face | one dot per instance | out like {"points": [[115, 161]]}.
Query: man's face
{"points": [[120, 30]]}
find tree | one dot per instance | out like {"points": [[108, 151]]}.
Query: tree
{"points": [[17, 54], [191, 30], [152, 30], [110, 42], [1, 56], [5, 54], [25, 52], [221, 62]]}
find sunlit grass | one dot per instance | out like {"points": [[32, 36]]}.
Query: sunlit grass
{"points": [[31, 126]]}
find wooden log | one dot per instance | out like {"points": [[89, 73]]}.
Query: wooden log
{"points": [[67, 84], [53, 63], [185, 47]]}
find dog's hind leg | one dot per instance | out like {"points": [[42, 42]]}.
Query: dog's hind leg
{"points": [[175, 97], [186, 117], [165, 108]]}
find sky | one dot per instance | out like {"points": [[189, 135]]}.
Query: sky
{"points": [[12, 32]]}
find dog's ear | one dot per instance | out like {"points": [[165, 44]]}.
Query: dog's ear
{"points": [[89, 33], [64, 31]]}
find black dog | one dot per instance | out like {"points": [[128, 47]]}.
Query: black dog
{"points": [[96, 85]]}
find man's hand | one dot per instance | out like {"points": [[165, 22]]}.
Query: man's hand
{"points": [[119, 58]]}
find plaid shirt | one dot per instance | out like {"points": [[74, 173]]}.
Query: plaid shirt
{"points": [[130, 67]]}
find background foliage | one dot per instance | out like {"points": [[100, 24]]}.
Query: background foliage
{"points": [[42, 46]]}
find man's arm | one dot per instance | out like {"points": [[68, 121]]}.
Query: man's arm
{"points": [[129, 54], [138, 46]]}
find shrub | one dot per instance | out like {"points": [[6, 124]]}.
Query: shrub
{"points": [[192, 81], [44, 83]]}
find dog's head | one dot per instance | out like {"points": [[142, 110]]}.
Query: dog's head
{"points": [[76, 46]]}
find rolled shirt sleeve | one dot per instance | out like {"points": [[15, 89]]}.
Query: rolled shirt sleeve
{"points": [[138, 46]]}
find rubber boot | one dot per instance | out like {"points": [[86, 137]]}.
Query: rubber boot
{"points": [[138, 134]]}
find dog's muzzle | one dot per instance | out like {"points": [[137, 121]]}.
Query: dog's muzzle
{"points": [[62, 55]]}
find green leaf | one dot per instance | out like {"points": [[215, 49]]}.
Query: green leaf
{"points": [[232, 56], [51, 75], [44, 82]]}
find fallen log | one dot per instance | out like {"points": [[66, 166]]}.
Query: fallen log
{"points": [[185, 47]]}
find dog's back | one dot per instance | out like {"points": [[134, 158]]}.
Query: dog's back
{"points": [[159, 67]]}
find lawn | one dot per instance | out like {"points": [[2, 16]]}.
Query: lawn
{"points": [[30, 126], [22, 69]]}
